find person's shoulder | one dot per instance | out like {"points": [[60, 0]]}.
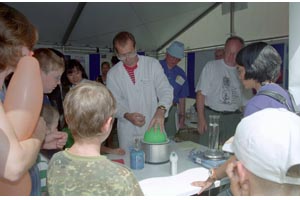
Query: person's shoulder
{"points": [[121, 167], [148, 58], [213, 63], [57, 156], [162, 62], [115, 68]]}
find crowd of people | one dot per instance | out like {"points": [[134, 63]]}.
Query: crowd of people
{"points": [[55, 145]]}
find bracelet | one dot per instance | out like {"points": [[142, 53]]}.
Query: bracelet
{"points": [[212, 174]]}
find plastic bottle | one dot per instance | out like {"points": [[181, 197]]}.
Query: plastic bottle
{"points": [[173, 162], [137, 156]]}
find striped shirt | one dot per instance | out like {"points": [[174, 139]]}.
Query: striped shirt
{"points": [[42, 164], [130, 71]]}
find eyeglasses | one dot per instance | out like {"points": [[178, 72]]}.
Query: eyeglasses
{"points": [[127, 55]]}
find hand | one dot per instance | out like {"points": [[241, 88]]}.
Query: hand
{"points": [[55, 140], [40, 130], [181, 121], [158, 120], [136, 119], [237, 187], [202, 126], [203, 184]]}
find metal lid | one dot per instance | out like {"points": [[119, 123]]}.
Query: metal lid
{"points": [[214, 154]]}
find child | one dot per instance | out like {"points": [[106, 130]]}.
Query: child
{"points": [[53, 140], [80, 170]]}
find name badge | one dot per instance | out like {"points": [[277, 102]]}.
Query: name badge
{"points": [[179, 80]]}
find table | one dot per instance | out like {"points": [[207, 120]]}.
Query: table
{"points": [[163, 170]]}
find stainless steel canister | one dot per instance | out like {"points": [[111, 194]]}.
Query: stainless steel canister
{"points": [[156, 153]]}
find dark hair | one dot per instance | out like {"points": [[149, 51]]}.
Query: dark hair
{"points": [[122, 37], [71, 64], [105, 63], [241, 40], [261, 61], [114, 60]]}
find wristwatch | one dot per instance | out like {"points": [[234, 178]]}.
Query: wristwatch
{"points": [[212, 174], [162, 108]]}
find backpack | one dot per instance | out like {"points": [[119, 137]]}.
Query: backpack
{"points": [[278, 97]]}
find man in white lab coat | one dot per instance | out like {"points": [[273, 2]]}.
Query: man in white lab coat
{"points": [[142, 91]]}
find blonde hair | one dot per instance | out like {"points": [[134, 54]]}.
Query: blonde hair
{"points": [[50, 115], [87, 106], [48, 60], [15, 32]]}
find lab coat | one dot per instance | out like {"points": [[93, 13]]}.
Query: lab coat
{"points": [[151, 89]]}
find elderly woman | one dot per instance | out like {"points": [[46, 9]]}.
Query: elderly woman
{"points": [[258, 68]]}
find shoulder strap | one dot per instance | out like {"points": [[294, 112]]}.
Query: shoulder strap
{"points": [[293, 102], [280, 98]]}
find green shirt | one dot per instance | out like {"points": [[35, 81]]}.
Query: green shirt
{"points": [[70, 174]]}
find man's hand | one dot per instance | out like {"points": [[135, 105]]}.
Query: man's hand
{"points": [[135, 118], [158, 120], [202, 126], [181, 121]]}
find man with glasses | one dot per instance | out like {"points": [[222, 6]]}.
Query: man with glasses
{"points": [[178, 80], [141, 89]]}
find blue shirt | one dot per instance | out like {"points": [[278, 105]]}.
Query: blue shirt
{"points": [[260, 102], [177, 79]]}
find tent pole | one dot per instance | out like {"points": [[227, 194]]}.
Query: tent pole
{"points": [[206, 12], [232, 19], [73, 22]]}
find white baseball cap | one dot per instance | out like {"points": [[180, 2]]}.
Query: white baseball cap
{"points": [[268, 144]]}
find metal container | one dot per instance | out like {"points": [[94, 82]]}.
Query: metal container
{"points": [[156, 153]]}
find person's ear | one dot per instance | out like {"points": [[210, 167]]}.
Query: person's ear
{"points": [[66, 120], [242, 173], [106, 128]]}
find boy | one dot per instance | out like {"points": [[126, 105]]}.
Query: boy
{"points": [[54, 140], [80, 170]]}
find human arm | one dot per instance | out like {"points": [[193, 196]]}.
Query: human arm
{"points": [[136, 119], [158, 119], [164, 93], [202, 124], [181, 112], [220, 173], [17, 157], [118, 91], [55, 140], [22, 129]]}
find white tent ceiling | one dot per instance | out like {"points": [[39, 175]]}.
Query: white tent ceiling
{"points": [[94, 24]]}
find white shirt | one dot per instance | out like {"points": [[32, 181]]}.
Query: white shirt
{"points": [[220, 85], [151, 89]]}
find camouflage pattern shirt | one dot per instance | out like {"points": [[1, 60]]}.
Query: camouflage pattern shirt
{"points": [[69, 174]]}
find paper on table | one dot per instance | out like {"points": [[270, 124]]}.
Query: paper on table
{"points": [[177, 185], [227, 146]]}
